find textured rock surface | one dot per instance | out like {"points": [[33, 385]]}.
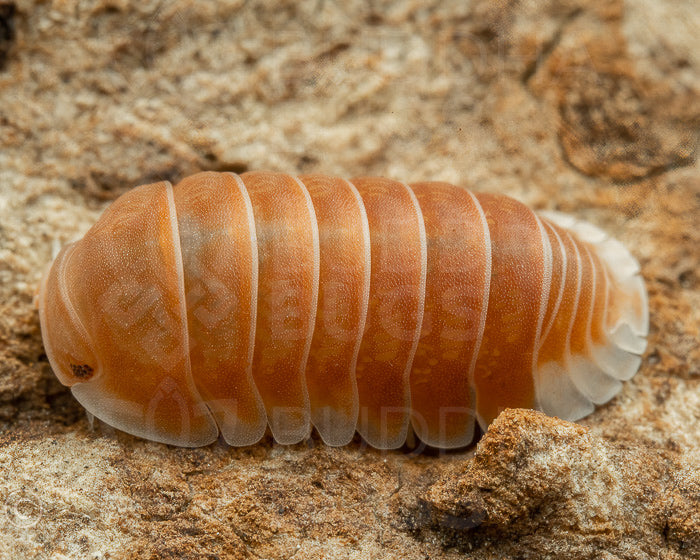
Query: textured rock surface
{"points": [[535, 478], [591, 108]]}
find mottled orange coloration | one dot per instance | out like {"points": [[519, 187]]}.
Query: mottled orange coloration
{"points": [[288, 258], [227, 304], [221, 295], [503, 371], [143, 379], [458, 279], [555, 345], [395, 313], [342, 306]]}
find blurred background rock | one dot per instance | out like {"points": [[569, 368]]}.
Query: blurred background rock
{"points": [[589, 107]]}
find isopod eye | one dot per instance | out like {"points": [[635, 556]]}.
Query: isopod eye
{"points": [[65, 338], [82, 371]]}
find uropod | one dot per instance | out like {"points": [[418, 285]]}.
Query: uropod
{"points": [[229, 303]]}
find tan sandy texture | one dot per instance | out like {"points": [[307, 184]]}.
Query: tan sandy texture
{"points": [[591, 108]]}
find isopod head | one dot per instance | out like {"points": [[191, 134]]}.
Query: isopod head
{"points": [[114, 322]]}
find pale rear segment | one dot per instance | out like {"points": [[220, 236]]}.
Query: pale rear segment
{"points": [[580, 366], [230, 304]]}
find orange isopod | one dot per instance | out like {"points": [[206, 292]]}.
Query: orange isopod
{"points": [[228, 303]]}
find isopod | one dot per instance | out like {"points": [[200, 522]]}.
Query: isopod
{"points": [[228, 303]]}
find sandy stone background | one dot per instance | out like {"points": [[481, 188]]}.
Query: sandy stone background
{"points": [[588, 107]]}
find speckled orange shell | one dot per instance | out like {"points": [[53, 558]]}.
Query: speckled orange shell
{"points": [[230, 303]]}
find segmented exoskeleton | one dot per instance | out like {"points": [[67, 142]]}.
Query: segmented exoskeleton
{"points": [[230, 303]]}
